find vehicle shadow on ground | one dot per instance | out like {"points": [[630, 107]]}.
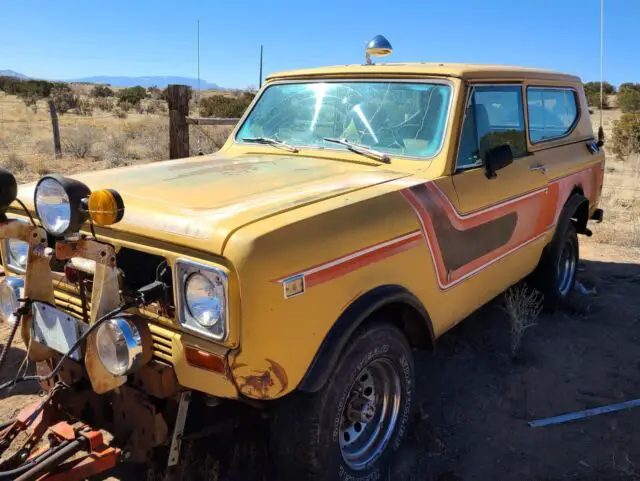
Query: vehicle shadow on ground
{"points": [[476, 399]]}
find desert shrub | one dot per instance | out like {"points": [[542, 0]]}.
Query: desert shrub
{"points": [[120, 113], [124, 106], [31, 101], [626, 135], [161, 106], [523, 306], [593, 99], [208, 139], [139, 107], [101, 91], [150, 107], [225, 106], [132, 95], [104, 104], [607, 88], [116, 149], [629, 99], [13, 162], [84, 106], [80, 140], [153, 135], [64, 100]]}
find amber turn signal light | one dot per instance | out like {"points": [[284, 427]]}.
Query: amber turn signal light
{"points": [[205, 360], [106, 207]]}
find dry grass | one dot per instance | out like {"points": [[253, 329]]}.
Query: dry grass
{"points": [[523, 306], [620, 193], [97, 136]]}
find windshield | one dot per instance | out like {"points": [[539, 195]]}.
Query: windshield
{"points": [[397, 118]]}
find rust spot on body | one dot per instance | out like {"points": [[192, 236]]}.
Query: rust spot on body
{"points": [[260, 384]]}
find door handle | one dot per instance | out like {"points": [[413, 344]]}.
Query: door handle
{"points": [[538, 168]]}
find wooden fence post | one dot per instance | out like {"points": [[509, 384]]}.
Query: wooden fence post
{"points": [[178, 99], [56, 129]]}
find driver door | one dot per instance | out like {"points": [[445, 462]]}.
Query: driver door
{"points": [[508, 210]]}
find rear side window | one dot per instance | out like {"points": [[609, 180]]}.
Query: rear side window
{"points": [[552, 113]]}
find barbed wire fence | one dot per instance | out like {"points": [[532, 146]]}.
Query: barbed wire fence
{"points": [[101, 139], [621, 203]]}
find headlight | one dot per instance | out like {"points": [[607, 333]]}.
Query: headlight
{"points": [[119, 346], [58, 202], [203, 299], [10, 291]]}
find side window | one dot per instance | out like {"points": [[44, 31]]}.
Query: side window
{"points": [[494, 116], [552, 112]]}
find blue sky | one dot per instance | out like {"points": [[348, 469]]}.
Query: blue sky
{"points": [[72, 38]]}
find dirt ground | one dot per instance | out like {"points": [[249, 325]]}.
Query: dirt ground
{"points": [[476, 399]]}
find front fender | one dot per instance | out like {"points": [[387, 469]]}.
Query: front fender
{"points": [[353, 317]]}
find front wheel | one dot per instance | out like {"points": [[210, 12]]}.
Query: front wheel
{"points": [[351, 428]]}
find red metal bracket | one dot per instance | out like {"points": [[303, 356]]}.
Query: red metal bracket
{"points": [[99, 458]]}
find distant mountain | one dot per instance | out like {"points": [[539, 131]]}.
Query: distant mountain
{"points": [[158, 81], [11, 73]]}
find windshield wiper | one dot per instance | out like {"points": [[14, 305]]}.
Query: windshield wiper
{"points": [[361, 149], [270, 141]]}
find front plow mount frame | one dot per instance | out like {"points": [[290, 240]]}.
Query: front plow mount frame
{"points": [[74, 451]]}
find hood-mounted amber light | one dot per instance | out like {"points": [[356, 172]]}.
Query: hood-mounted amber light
{"points": [[105, 207]]}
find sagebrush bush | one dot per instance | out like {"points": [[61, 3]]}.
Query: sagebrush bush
{"points": [[84, 106], [80, 140], [132, 95], [101, 91], [593, 99], [13, 162], [626, 135], [103, 103], [124, 106], [64, 100], [629, 100], [225, 106], [120, 113]]}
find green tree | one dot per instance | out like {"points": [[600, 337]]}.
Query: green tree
{"points": [[629, 99], [132, 95], [626, 135], [100, 91], [225, 106], [608, 88]]}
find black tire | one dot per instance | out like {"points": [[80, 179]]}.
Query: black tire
{"points": [[306, 428], [549, 278]]}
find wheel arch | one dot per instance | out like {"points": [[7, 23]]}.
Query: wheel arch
{"points": [[398, 305], [577, 207]]}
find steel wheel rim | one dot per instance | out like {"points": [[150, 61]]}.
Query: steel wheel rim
{"points": [[370, 414], [566, 268]]}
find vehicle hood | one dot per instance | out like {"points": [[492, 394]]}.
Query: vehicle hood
{"points": [[199, 202]]}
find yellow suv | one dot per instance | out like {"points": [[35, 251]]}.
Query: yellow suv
{"points": [[354, 214]]}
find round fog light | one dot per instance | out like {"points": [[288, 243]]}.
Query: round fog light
{"points": [[10, 292], [119, 346]]}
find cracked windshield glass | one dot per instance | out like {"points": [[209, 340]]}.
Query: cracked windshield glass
{"points": [[396, 118]]}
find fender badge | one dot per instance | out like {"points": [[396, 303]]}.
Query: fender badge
{"points": [[293, 286]]}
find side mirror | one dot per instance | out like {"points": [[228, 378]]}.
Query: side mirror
{"points": [[497, 158], [600, 137]]}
